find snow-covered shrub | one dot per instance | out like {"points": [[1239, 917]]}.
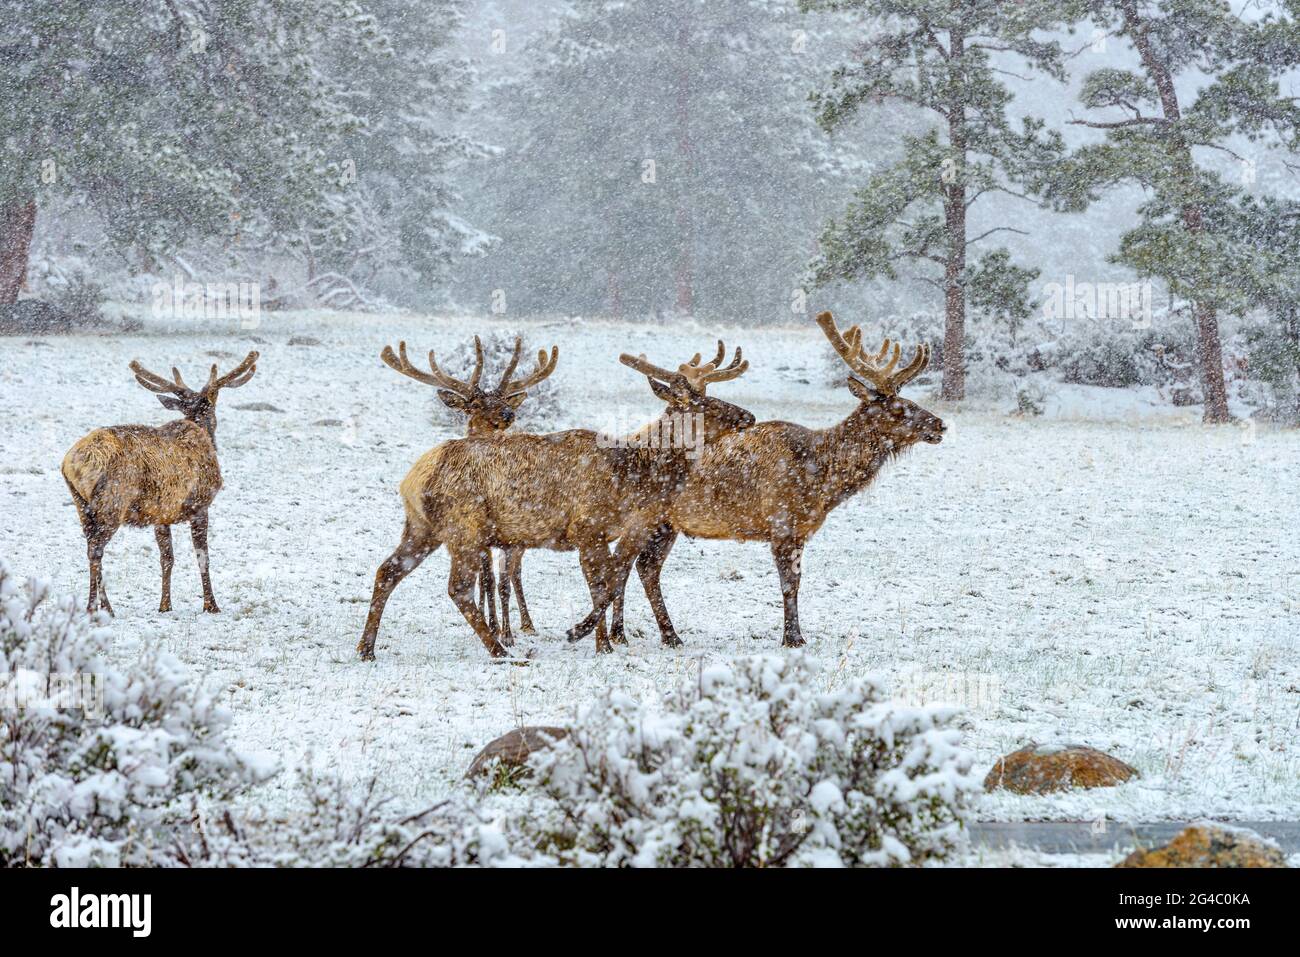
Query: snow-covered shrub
{"points": [[759, 764], [98, 766], [333, 824], [539, 411]]}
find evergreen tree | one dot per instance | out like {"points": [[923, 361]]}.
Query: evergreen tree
{"points": [[657, 162], [935, 56], [397, 186], [1190, 231], [263, 124]]}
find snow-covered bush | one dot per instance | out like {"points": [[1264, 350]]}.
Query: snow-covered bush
{"points": [[98, 766], [330, 823], [539, 411], [759, 764]]}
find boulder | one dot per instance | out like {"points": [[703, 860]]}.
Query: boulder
{"points": [[1209, 845], [512, 749], [1045, 768]]}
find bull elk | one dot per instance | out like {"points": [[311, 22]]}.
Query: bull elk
{"points": [[140, 475], [561, 491], [777, 482], [489, 411]]}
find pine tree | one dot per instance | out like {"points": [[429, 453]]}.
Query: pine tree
{"points": [[397, 191], [656, 162], [258, 123], [1190, 230], [935, 56]]}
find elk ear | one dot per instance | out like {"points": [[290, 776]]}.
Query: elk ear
{"points": [[452, 401], [864, 391], [661, 391], [516, 400], [171, 402]]}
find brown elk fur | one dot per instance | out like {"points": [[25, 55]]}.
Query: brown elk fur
{"points": [[777, 482], [562, 491], [141, 475]]}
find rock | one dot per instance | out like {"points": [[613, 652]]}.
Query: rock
{"points": [[512, 749], [1044, 768], [304, 341], [330, 422], [1209, 845], [258, 407]]}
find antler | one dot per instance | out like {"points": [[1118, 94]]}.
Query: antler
{"points": [[437, 377], [699, 376], [642, 365], [232, 379], [874, 369], [156, 383], [695, 376], [545, 366]]}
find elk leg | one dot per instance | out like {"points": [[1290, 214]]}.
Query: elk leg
{"points": [[648, 566], [608, 573], [515, 560], [97, 537], [788, 554], [465, 565], [596, 570], [412, 550], [503, 591], [163, 533], [487, 599], [199, 532]]}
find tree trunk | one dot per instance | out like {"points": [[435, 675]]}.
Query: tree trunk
{"points": [[953, 387], [1209, 347], [1210, 353], [17, 223], [685, 221], [954, 298]]}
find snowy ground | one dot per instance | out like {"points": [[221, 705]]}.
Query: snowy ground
{"points": [[1113, 574]]}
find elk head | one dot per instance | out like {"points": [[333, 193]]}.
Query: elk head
{"points": [[491, 410], [876, 381], [684, 390], [200, 407]]}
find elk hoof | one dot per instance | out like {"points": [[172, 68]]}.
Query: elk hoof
{"points": [[572, 635], [365, 653], [795, 642], [165, 607], [672, 641], [211, 608], [527, 629], [497, 651]]}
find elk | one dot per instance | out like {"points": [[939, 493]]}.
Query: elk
{"points": [[489, 411], [140, 475], [777, 481], [562, 491]]}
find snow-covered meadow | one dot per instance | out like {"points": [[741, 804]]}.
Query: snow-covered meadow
{"points": [[1112, 574]]}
